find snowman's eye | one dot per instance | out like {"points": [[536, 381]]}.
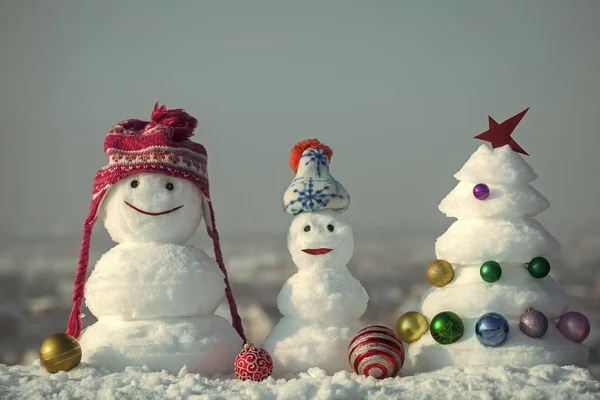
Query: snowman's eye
{"points": [[169, 186], [330, 228], [134, 184], [307, 228]]}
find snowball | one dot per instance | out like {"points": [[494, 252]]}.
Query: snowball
{"points": [[149, 280], [126, 224], [474, 241], [496, 166], [296, 346], [207, 345], [470, 296], [519, 350], [504, 201], [340, 240], [331, 296]]}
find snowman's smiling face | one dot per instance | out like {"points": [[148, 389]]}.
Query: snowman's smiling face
{"points": [[152, 208], [320, 238]]}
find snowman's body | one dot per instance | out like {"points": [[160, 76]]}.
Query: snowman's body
{"points": [[322, 303], [155, 300]]}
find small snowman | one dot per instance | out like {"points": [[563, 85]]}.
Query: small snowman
{"points": [[154, 296], [322, 303]]}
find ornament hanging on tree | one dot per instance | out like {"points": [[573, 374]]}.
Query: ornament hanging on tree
{"points": [[492, 329], [411, 326], [533, 323], [574, 326], [539, 267], [376, 351], [440, 273], [490, 271], [446, 327], [481, 191], [253, 363], [60, 352]]}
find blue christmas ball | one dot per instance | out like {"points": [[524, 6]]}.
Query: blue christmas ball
{"points": [[491, 329]]}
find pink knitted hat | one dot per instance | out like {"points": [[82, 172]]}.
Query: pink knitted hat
{"points": [[161, 146]]}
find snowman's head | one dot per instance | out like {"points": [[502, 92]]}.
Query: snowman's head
{"points": [[152, 208], [320, 239]]}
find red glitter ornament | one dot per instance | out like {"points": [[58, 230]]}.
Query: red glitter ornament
{"points": [[376, 351], [253, 363]]}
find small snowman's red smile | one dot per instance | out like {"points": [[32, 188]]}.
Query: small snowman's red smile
{"points": [[153, 213], [316, 252]]}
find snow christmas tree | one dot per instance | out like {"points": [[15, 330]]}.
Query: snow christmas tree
{"points": [[493, 302]]}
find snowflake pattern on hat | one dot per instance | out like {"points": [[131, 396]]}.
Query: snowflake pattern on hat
{"points": [[314, 188]]}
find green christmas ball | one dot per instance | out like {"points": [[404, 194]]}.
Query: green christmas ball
{"points": [[490, 271], [446, 327], [539, 267]]}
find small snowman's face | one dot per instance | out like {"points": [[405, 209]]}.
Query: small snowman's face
{"points": [[152, 208], [320, 238]]}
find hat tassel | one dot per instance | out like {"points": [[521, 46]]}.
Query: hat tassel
{"points": [[75, 324]]}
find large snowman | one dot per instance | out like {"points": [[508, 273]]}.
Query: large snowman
{"points": [[322, 303], [154, 296]]}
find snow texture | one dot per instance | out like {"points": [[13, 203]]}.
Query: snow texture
{"points": [[151, 280], [125, 224], [324, 295], [321, 303], [472, 241], [512, 295], [473, 383], [341, 240], [500, 229], [154, 297], [503, 201], [205, 344], [519, 350], [296, 346], [501, 166]]}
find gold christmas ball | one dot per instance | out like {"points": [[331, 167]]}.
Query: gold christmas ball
{"points": [[411, 326], [60, 352], [440, 273]]}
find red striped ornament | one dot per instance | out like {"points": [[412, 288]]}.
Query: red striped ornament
{"points": [[376, 351]]}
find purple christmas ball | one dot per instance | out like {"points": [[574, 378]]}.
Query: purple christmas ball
{"points": [[481, 191], [574, 325], [533, 323]]}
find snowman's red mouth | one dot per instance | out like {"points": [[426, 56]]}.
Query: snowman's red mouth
{"points": [[316, 252], [153, 213]]}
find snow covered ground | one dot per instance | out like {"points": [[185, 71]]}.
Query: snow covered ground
{"points": [[36, 280], [85, 382]]}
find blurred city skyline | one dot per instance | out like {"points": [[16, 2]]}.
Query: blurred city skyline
{"points": [[397, 89]]}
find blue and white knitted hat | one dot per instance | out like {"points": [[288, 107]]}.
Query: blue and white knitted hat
{"points": [[313, 188]]}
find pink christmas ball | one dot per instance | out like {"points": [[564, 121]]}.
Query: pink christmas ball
{"points": [[574, 325], [253, 363], [376, 351]]}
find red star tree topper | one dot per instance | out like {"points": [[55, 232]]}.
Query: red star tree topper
{"points": [[499, 134]]}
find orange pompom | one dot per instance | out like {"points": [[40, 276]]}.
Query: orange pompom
{"points": [[302, 146]]}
